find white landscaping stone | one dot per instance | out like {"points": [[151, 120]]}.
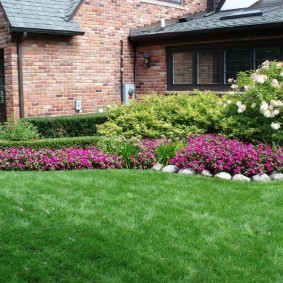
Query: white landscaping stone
{"points": [[157, 167], [223, 175], [240, 177], [261, 178], [187, 171], [276, 176], [206, 173], [170, 169]]}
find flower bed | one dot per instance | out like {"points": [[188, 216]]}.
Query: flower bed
{"points": [[217, 154], [62, 159], [201, 152]]}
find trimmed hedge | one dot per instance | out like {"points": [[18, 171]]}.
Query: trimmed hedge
{"points": [[57, 143], [68, 126]]}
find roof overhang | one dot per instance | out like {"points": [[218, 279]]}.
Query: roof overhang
{"points": [[169, 36], [46, 31]]}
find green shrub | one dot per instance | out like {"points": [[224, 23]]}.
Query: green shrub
{"points": [[165, 151], [253, 110], [68, 126], [121, 146], [56, 143], [164, 116], [18, 129]]}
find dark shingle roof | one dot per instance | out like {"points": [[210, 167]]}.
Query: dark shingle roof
{"points": [[213, 23], [43, 16], [71, 8]]}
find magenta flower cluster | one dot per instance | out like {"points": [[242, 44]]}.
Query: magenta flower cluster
{"points": [[62, 159], [218, 154]]}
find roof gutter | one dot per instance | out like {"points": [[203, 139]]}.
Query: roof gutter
{"points": [[46, 31]]}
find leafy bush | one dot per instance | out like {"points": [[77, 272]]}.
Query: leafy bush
{"points": [[164, 116], [56, 143], [217, 154], [68, 126], [18, 130], [121, 147], [134, 152], [168, 150], [253, 110]]}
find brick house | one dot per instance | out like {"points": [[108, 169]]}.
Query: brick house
{"points": [[56, 52], [58, 55], [203, 51]]}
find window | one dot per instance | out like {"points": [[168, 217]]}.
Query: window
{"points": [[235, 60], [173, 1], [183, 68], [265, 53], [176, 1], [210, 68]]}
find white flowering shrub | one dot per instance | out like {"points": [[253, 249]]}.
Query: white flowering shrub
{"points": [[253, 109]]}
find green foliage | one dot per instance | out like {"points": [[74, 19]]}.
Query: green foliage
{"points": [[164, 116], [165, 151], [68, 126], [122, 147], [18, 129], [253, 111], [56, 143]]}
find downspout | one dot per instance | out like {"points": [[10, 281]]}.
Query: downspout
{"points": [[121, 68], [135, 63], [20, 73]]}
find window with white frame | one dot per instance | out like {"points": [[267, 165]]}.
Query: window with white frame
{"points": [[173, 1]]}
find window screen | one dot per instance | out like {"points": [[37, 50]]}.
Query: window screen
{"points": [[236, 60], [266, 53], [208, 67], [183, 68]]}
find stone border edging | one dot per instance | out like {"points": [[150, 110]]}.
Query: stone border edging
{"points": [[275, 176]]}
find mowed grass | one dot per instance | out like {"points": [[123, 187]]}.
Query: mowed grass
{"points": [[138, 226]]}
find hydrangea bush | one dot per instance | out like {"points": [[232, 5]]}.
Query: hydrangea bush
{"points": [[253, 109], [218, 154]]}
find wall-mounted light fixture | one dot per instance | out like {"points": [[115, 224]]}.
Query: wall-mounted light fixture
{"points": [[146, 58]]}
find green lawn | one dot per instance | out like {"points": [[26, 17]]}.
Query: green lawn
{"points": [[138, 226]]}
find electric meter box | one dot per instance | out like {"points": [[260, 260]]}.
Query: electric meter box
{"points": [[129, 93], [78, 105]]}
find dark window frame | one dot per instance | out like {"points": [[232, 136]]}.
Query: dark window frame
{"points": [[222, 86]]}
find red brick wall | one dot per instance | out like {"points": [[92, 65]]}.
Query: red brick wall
{"points": [[153, 78], [57, 70], [10, 65]]}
